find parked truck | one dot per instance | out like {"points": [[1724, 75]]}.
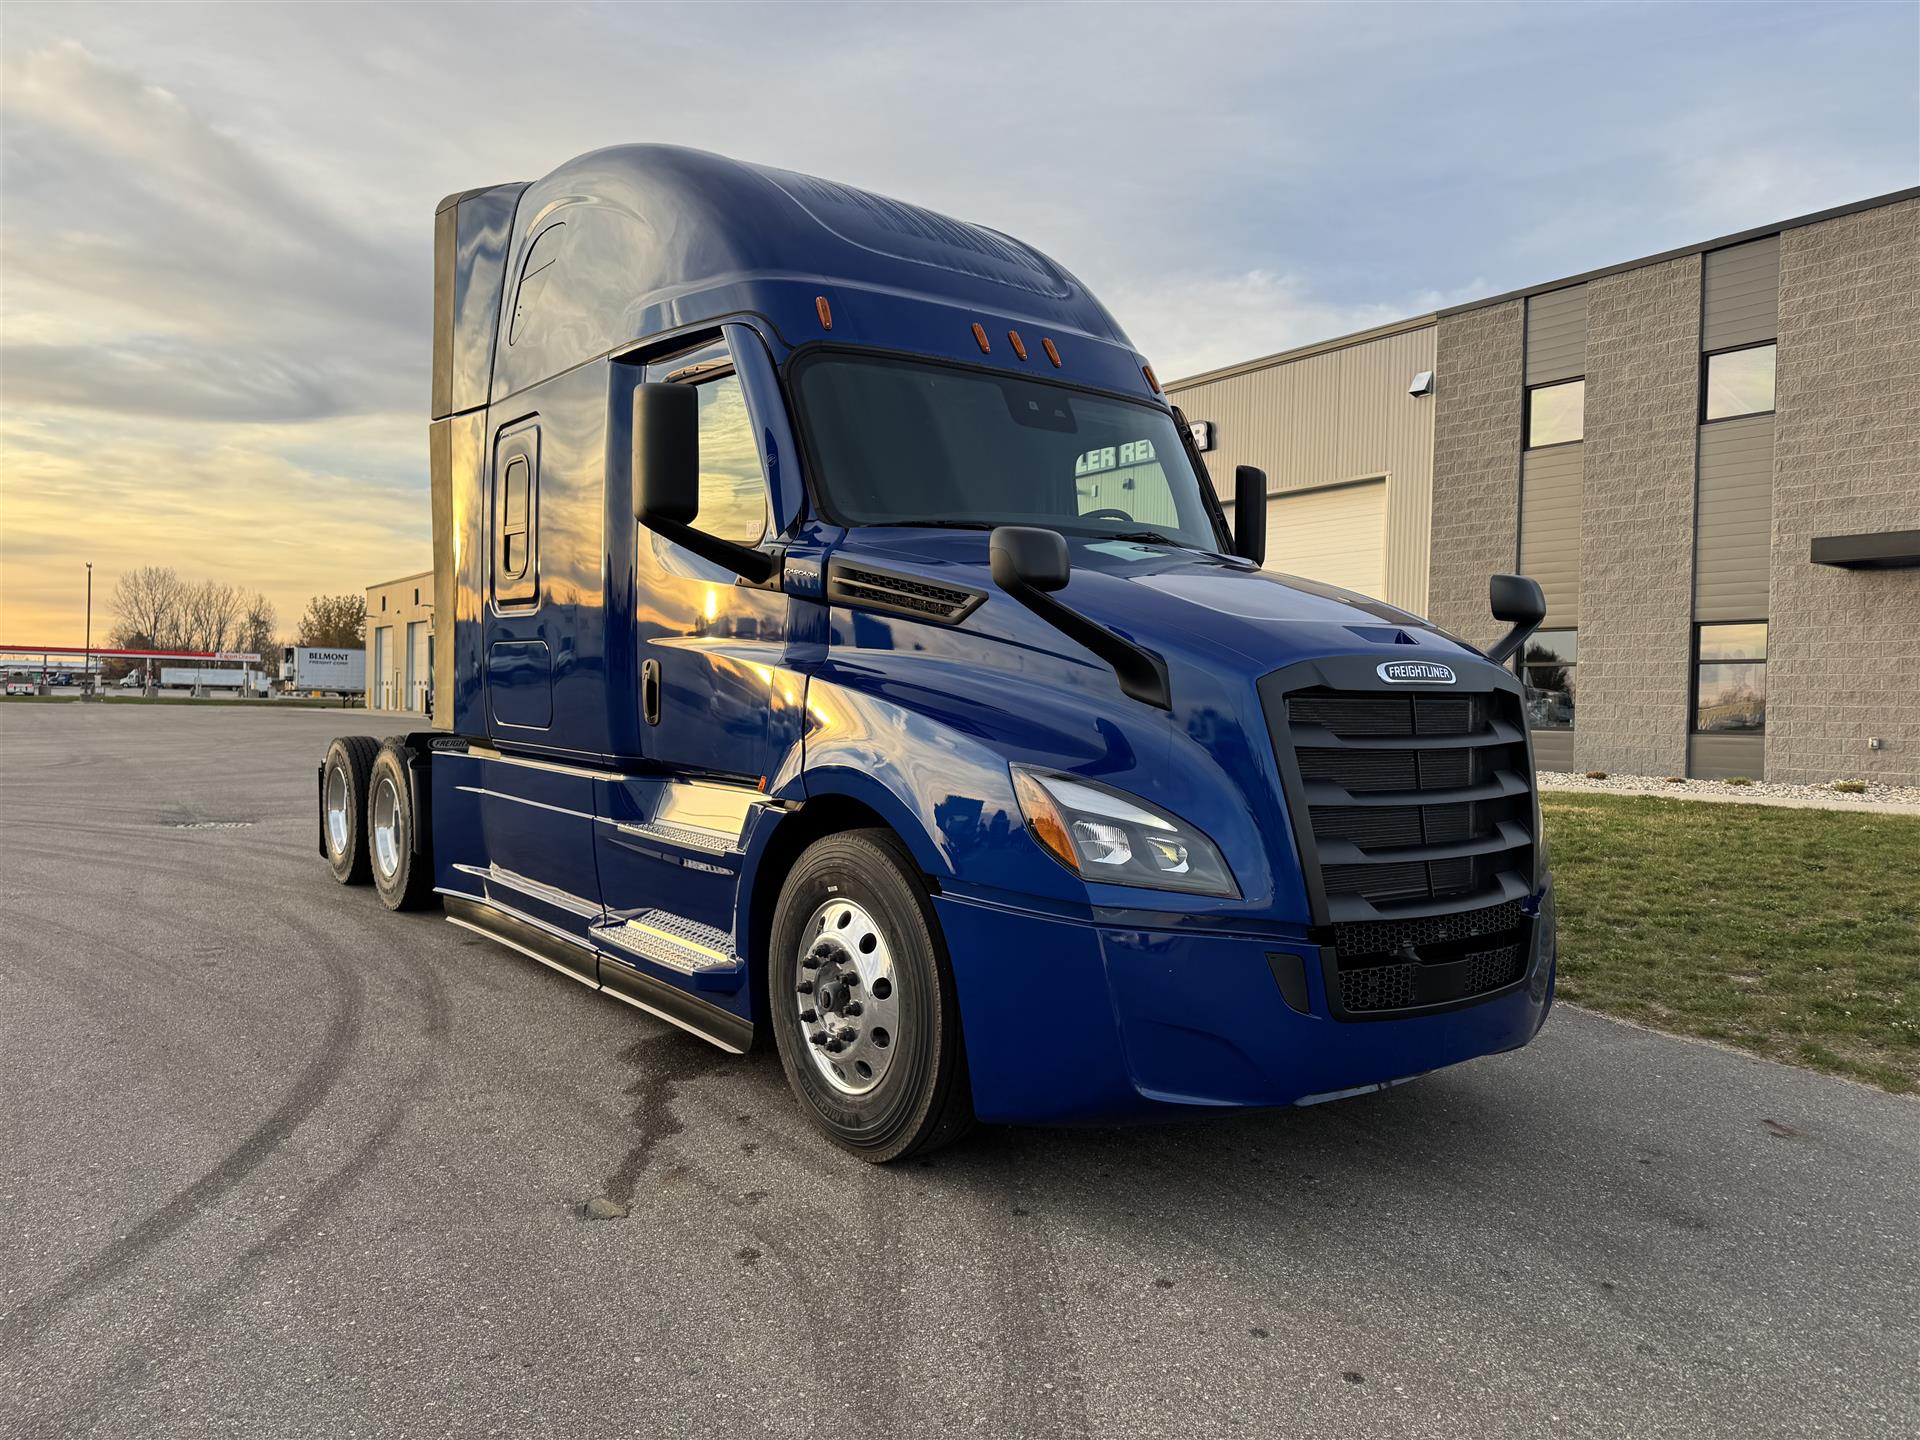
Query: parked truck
{"points": [[328, 670], [846, 647]]}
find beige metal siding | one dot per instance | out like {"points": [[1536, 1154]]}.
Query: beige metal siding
{"points": [[1557, 335], [1332, 416], [1733, 531], [1550, 495], [1742, 296], [1337, 536]]}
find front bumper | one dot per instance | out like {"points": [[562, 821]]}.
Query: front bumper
{"points": [[1072, 1022]]}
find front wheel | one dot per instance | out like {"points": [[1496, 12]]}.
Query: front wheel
{"points": [[862, 1000]]}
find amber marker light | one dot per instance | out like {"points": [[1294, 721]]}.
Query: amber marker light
{"points": [[1046, 344], [980, 339], [825, 311], [1147, 370], [1019, 345], [1044, 820]]}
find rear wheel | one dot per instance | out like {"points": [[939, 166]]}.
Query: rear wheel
{"points": [[343, 806], [403, 878], [862, 1000]]}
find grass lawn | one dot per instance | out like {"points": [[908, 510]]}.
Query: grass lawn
{"points": [[1791, 933]]}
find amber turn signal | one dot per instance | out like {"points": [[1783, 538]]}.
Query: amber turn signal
{"points": [[980, 339], [1046, 344], [825, 311], [1044, 820], [1019, 348]]}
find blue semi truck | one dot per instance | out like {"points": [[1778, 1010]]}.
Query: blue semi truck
{"points": [[841, 644]]}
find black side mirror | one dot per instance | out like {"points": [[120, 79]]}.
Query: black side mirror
{"points": [[666, 479], [1023, 555], [666, 454], [1029, 563], [1518, 601], [1250, 513]]}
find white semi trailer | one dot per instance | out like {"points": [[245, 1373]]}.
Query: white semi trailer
{"points": [[208, 677], [337, 671]]}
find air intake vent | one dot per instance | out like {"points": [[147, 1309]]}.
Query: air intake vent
{"points": [[872, 589]]}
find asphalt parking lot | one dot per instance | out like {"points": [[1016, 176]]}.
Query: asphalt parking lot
{"points": [[278, 1163]]}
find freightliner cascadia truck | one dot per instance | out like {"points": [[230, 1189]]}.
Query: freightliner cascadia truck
{"points": [[841, 644]]}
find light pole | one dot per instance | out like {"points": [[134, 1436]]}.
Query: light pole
{"points": [[86, 681]]}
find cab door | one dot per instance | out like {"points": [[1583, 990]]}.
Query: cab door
{"points": [[712, 683]]}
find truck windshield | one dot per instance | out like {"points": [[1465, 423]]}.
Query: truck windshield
{"points": [[901, 443]]}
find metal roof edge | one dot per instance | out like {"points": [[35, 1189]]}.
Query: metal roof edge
{"points": [[1739, 237], [401, 579], [1398, 327], [1302, 352]]}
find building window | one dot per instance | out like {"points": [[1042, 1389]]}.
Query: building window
{"points": [[1546, 665], [1556, 414], [383, 604], [1738, 382], [1730, 678], [416, 594]]}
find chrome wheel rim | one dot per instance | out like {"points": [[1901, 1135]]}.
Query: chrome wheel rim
{"points": [[848, 997], [337, 816], [386, 827]]}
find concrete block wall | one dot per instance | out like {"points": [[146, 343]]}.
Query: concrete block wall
{"points": [[1843, 656], [1636, 542], [1476, 464]]}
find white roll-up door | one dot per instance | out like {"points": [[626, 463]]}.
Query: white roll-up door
{"points": [[1338, 536]]}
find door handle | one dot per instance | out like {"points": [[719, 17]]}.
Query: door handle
{"points": [[650, 692]]}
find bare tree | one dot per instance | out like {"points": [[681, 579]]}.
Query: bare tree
{"points": [[212, 610], [150, 603], [258, 632]]}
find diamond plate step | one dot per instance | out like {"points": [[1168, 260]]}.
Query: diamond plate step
{"points": [[700, 952]]}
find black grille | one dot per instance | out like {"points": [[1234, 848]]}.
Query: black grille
{"points": [[1367, 988], [905, 594], [1383, 937], [1367, 760]]}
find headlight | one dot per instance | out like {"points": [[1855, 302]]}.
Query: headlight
{"points": [[1107, 835]]}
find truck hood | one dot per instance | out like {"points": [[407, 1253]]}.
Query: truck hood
{"points": [[1182, 603]]}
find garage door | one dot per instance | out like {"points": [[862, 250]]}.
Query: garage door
{"points": [[1339, 536]]}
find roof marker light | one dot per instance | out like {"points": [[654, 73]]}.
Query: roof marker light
{"points": [[825, 311], [1019, 347], [1052, 354], [1147, 370], [980, 338]]}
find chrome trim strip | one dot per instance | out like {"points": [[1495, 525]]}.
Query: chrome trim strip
{"points": [[521, 800], [552, 894]]}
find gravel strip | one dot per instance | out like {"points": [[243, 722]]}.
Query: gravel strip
{"points": [[1888, 799]]}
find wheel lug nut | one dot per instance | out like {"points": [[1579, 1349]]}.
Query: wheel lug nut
{"points": [[806, 987], [818, 1037], [809, 1014], [812, 962], [849, 1034], [852, 1007]]}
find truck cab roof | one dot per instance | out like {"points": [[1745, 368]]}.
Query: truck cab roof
{"points": [[636, 241]]}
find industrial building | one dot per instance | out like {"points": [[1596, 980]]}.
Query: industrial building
{"points": [[1710, 458], [400, 643]]}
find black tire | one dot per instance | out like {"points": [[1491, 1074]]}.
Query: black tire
{"points": [[922, 1099], [349, 762], [409, 884]]}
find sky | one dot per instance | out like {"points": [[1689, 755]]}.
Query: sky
{"points": [[216, 223]]}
